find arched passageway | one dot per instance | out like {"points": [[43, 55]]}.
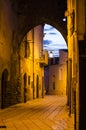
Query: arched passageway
{"points": [[39, 12], [25, 15], [50, 12], [34, 64]]}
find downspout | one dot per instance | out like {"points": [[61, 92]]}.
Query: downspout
{"points": [[33, 60]]}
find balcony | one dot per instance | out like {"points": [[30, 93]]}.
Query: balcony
{"points": [[43, 61]]}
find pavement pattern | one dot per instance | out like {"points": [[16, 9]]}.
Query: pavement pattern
{"points": [[48, 113]]}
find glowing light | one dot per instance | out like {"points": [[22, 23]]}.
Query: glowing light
{"points": [[51, 54], [64, 19]]}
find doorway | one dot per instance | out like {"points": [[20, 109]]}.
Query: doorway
{"points": [[4, 81], [25, 85], [37, 85]]}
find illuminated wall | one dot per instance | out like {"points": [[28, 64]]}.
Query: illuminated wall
{"points": [[76, 26], [7, 27], [58, 75], [30, 54]]}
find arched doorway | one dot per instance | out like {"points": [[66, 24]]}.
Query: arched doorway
{"points": [[4, 82], [37, 86], [25, 85]]}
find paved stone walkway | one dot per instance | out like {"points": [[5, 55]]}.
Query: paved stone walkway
{"points": [[49, 113]]}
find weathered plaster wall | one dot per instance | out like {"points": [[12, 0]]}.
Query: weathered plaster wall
{"points": [[58, 76]]}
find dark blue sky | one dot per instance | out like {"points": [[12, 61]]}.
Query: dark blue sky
{"points": [[53, 40]]}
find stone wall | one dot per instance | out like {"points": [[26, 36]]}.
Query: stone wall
{"points": [[6, 38]]}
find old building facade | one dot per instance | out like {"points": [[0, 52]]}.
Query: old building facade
{"points": [[31, 68], [56, 74]]}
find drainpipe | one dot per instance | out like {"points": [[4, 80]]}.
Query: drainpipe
{"points": [[69, 83], [33, 60]]}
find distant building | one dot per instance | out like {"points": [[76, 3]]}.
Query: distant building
{"points": [[56, 74]]}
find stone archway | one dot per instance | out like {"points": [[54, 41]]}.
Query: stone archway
{"points": [[29, 15], [4, 89], [32, 13]]}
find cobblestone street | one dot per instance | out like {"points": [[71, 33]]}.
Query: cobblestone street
{"points": [[49, 113]]}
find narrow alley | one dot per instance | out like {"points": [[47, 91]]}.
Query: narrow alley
{"points": [[49, 113]]}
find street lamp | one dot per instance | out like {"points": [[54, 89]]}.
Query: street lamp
{"points": [[51, 54]]}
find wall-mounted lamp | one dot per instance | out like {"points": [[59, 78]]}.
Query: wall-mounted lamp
{"points": [[51, 54], [64, 19]]}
